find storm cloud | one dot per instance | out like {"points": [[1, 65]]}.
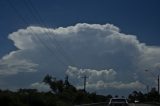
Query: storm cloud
{"points": [[109, 57]]}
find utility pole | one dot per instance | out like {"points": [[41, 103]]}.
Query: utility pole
{"points": [[158, 84], [66, 81], [157, 81], [158, 89], [84, 83], [147, 89]]}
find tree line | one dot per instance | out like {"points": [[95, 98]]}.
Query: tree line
{"points": [[151, 97], [63, 93]]}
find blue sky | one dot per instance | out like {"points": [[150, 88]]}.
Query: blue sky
{"points": [[139, 18], [135, 17]]}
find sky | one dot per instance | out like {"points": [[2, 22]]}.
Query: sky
{"points": [[110, 41]]}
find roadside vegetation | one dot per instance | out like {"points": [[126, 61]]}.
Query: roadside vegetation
{"points": [[63, 94]]}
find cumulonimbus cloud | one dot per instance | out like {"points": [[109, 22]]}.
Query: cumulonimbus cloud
{"points": [[100, 49]]}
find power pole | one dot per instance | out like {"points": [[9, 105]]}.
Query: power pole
{"points": [[158, 84], [66, 81], [147, 89], [158, 89], [157, 80], [84, 83]]}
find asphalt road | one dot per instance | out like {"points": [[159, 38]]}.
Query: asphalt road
{"points": [[106, 105], [142, 105]]}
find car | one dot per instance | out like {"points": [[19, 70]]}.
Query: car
{"points": [[118, 102]]}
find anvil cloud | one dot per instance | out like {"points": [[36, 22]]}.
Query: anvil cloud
{"points": [[109, 57]]}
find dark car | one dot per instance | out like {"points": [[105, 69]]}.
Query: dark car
{"points": [[118, 102]]}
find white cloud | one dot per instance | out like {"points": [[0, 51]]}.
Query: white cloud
{"points": [[116, 85], [150, 57], [93, 75], [96, 50], [102, 79], [40, 86], [12, 64]]}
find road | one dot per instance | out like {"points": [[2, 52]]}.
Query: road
{"points": [[141, 105], [104, 104]]}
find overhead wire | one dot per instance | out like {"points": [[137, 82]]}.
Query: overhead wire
{"points": [[58, 47], [39, 20], [34, 34]]}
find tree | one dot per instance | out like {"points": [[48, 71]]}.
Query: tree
{"points": [[51, 81]]}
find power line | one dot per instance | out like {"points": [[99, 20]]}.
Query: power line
{"points": [[36, 36], [60, 48]]}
